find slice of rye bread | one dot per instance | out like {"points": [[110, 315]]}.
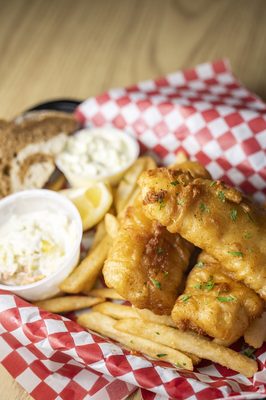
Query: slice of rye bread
{"points": [[28, 146]]}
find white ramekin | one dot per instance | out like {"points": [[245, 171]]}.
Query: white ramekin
{"points": [[79, 180], [38, 200]]}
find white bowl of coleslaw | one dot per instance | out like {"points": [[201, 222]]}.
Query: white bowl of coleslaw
{"points": [[98, 154], [40, 236]]}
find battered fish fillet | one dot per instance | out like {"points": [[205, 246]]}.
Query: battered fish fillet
{"points": [[146, 263], [214, 304], [214, 217]]}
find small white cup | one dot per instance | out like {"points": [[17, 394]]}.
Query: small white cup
{"points": [[38, 200], [83, 180]]}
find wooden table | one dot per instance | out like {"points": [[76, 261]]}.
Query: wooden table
{"points": [[65, 48]]}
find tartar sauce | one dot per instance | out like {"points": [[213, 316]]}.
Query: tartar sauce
{"points": [[33, 246], [95, 153]]}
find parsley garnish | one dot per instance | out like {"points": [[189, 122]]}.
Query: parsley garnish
{"points": [[247, 235], [162, 203], [185, 298], [209, 285], [160, 250], [225, 299], [174, 183], [249, 352], [161, 355], [157, 333], [203, 207], [233, 214], [156, 283], [198, 286], [165, 274], [177, 365], [180, 202], [221, 195], [131, 341], [236, 253], [213, 183], [199, 264]]}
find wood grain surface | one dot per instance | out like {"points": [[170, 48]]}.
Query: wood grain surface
{"points": [[75, 49]]}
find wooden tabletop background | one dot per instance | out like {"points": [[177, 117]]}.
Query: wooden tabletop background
{"points": [[75, 49]]}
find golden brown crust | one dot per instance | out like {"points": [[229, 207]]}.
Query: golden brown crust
{"points": [[216, 218], [215, 305], [146, 263]]}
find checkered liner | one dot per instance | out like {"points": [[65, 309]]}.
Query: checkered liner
{"points": [[208, 114], [203, 111], [52, 357]]}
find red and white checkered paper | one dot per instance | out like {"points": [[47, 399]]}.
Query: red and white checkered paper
{"points": [[203, 111], [210, 116]]}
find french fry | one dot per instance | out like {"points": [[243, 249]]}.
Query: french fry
{"points": [[106, 293], [111, 225], [150, 163], [131, 202], [181, 157], [256, 333], [105, 325], [85, 275], [149, 316], [99, 234], [128, 184], [190, 343], [68, 303], [117, 311]]}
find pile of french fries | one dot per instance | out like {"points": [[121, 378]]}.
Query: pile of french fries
{"points": [[140, 330]]}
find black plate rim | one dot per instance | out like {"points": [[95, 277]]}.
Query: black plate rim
{"points": [[61, 104]]}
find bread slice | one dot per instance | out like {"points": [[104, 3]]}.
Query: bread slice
{"points": [[28, 146]]}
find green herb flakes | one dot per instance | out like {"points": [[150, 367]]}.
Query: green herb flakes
{"points": [[165, 274], [203, 207], [162, 203], [213, 183], [180, 202], [221, 196], [185, 298], [174, 183], [233, 214], [247, 235], [209, 285], [157, 333], [161, 355], [249, 352], [160, 250], [225, 299], [156, 283], [198, 286], [200, 264], [236, 253]]}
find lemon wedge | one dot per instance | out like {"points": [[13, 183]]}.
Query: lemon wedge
{"points": [[92, 202]]}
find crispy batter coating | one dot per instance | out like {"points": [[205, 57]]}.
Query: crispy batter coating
{"points": [[195, 169], [214, 217], [146, 263], [214, 304]]}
